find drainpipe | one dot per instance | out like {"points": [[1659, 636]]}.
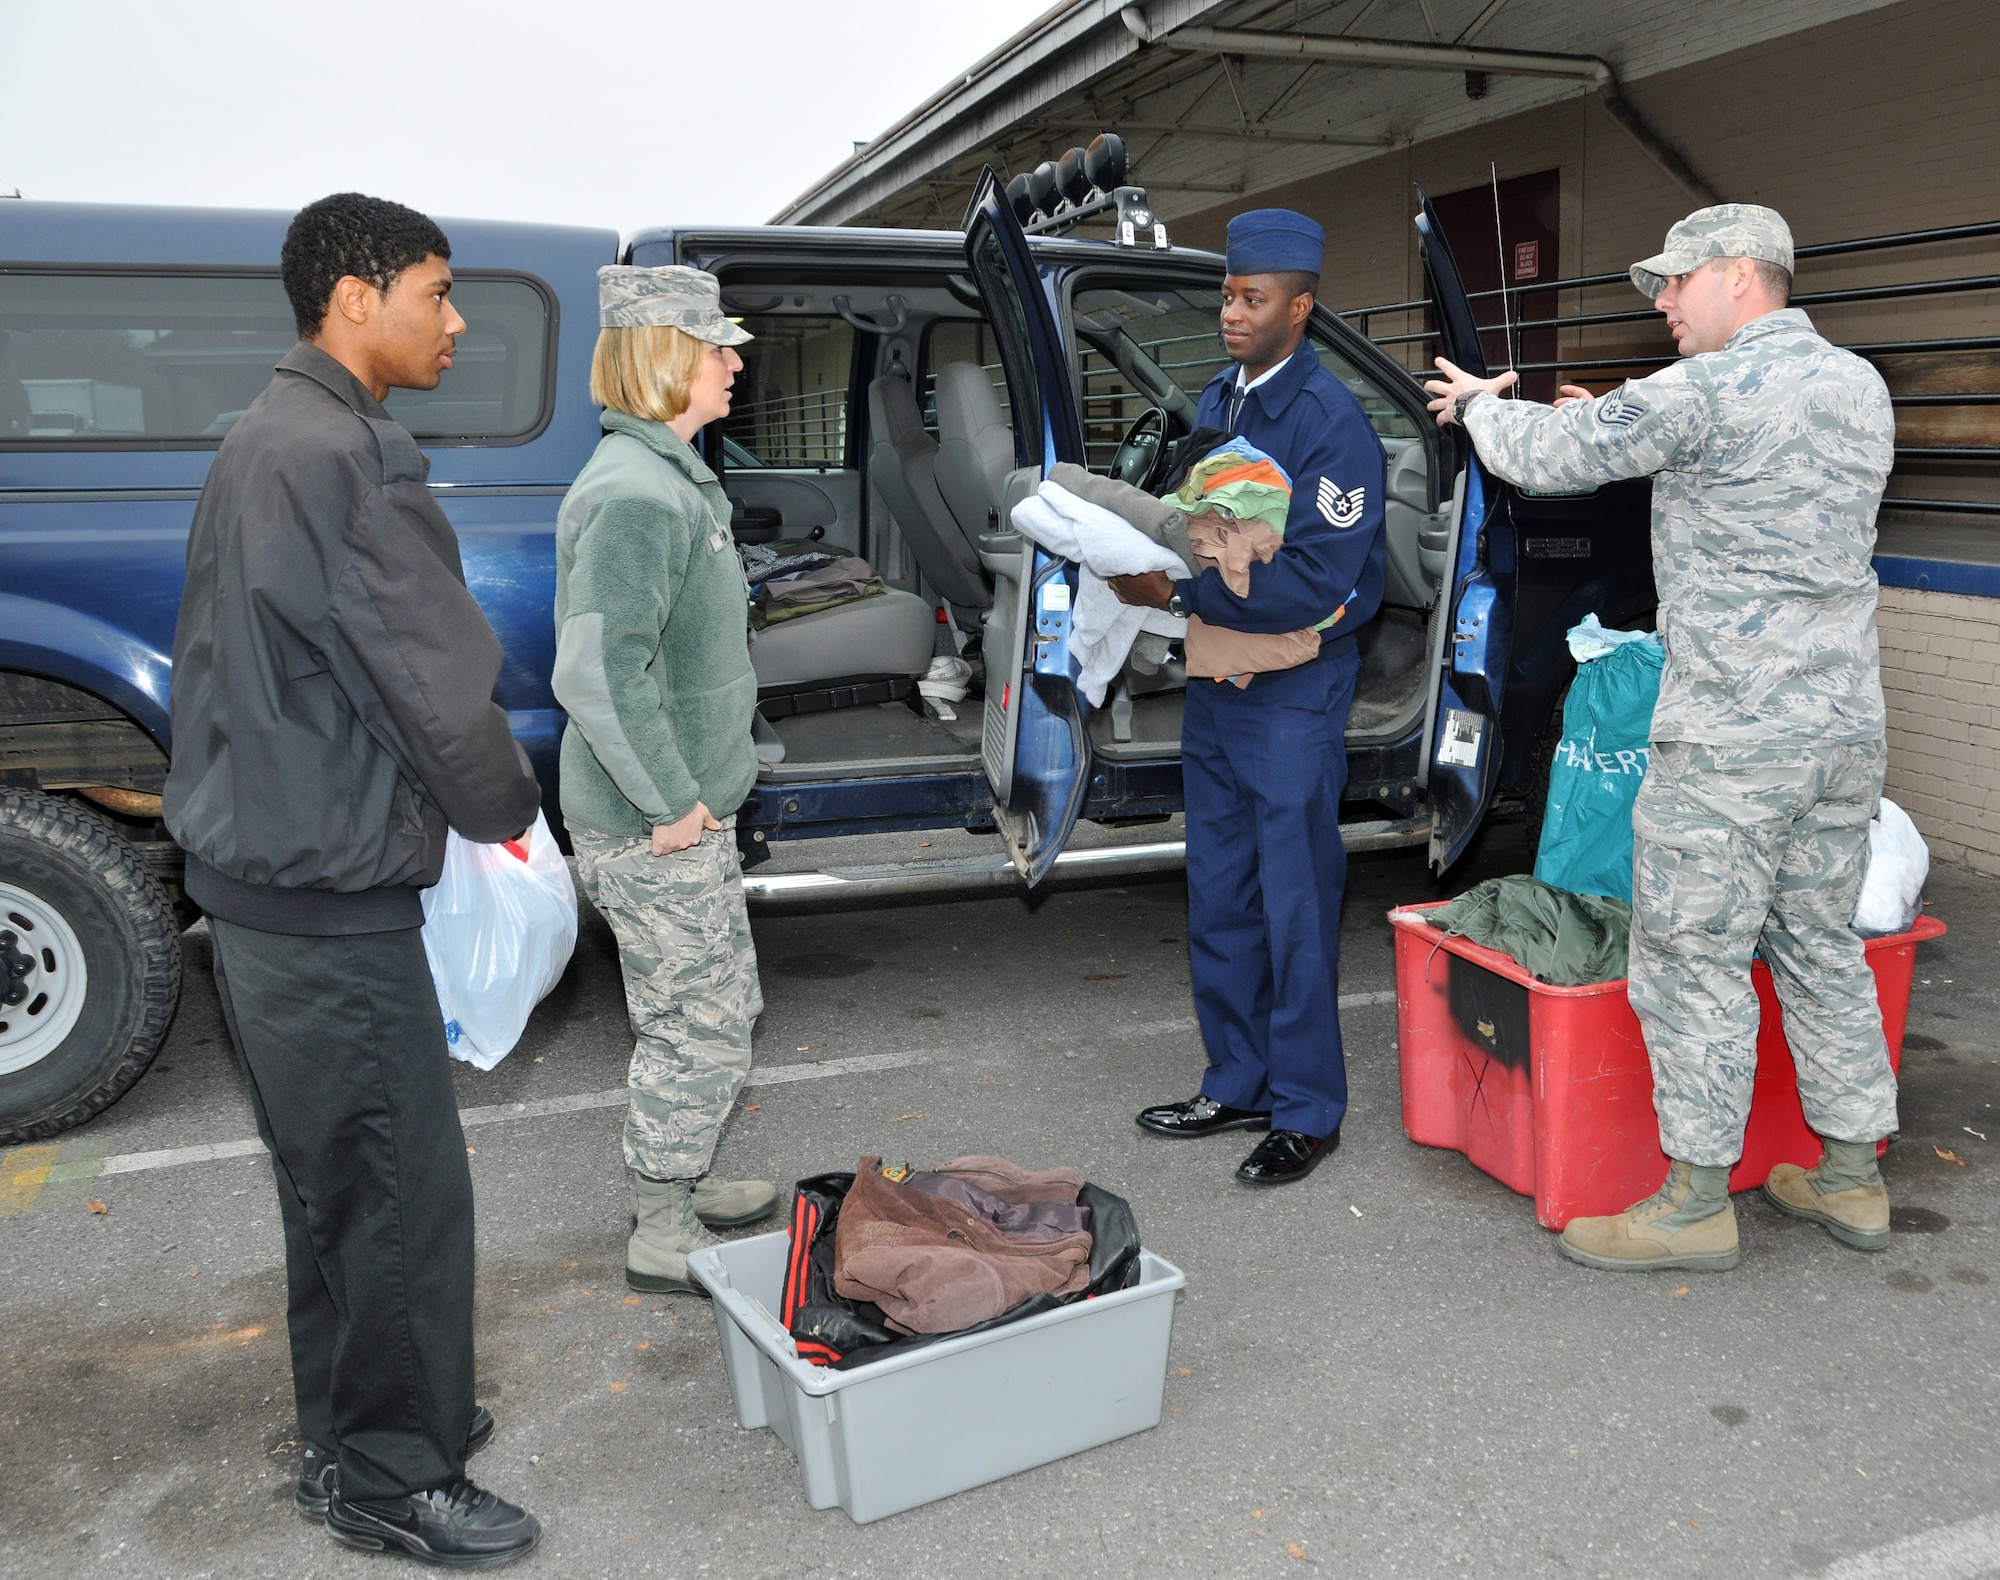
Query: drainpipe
{"points": [[1433, 57]]}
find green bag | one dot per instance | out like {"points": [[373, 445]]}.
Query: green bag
{"points": [[1600, 762]]}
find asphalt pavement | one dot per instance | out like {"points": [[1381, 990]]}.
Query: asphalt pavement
{"points": [[1384, 1371]]}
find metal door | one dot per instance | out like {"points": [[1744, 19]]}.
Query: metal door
{"points": [[1034, 746], [1462, 764]]}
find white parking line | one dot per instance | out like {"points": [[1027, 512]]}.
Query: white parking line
{"points": [[1964, 1551], [471, 1118], [615, 1097], [780, 1074], [174, 1157]]}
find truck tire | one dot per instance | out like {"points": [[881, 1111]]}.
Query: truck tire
{"points": [[90, 965]]}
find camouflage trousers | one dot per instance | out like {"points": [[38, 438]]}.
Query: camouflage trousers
{"points": [[690, 988], [1740, 849]]}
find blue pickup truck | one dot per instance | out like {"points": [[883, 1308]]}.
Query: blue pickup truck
{"points": [[905, 388]]}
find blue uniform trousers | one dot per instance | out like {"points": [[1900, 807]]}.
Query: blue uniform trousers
{"points": [[1263, 770]]}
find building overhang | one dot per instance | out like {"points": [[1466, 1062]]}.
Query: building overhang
{"points": [[1222, 98]]}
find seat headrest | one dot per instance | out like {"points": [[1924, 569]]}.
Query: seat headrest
{"points": [[967, 403]]}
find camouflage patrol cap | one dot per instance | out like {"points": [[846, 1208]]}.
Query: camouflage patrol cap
{"points": [[671, 296], [1729, 230]]}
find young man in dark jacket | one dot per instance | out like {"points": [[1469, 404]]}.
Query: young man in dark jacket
{"points": [[333, 712]]}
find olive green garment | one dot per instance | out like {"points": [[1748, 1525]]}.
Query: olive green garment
{"points": [[652, 647], [1563, 939]]}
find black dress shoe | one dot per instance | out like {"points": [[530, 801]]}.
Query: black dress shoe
{"points": [[1284, 1156], [1200, 1116], [320, 1472], [458, 1526]]}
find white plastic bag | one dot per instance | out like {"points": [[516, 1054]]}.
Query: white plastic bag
{"points": [[498, 931], [1898, 862]]}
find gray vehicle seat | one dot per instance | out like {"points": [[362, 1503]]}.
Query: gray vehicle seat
{"points": [[902, 462], [1416, 538], [975, 448], [888, 637]]}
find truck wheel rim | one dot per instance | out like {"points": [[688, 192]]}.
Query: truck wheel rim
{"points": [[43, 979]]}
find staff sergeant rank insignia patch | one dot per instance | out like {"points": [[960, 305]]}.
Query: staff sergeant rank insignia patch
{"points": [[1341, 509], [1620, 409]]}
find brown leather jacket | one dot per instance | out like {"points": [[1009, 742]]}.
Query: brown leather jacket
{"points": [[935, 1265]]}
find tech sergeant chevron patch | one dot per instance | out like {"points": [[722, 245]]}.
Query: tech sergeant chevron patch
{"points": [[1341, 509]]}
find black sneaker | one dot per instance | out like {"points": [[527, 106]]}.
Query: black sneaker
{"points": [[458, 1526], [317, 1476], [320, 1472]]}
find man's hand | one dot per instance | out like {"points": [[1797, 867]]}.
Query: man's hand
{"points": [[1573, 392], [1150, 590], [1457, 382], [670, 837]]}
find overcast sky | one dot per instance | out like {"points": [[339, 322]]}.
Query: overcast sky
{"points": [[580, 111]]}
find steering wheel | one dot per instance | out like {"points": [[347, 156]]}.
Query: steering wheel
{"points": [[1143, 451]]}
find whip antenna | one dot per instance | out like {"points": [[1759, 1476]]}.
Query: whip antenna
{"points": [[1500, 241]]}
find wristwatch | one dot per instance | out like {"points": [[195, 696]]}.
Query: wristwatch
{"points": [[1458, 406], [1175, 607]]}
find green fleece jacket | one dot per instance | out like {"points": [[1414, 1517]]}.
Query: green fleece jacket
{"points": [[652, 655]]}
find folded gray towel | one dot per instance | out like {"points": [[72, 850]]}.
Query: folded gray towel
{"points": [[1159, 519]]}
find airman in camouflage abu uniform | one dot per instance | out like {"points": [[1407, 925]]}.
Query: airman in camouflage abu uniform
{"points": [[653, 668], [1769, 449]]}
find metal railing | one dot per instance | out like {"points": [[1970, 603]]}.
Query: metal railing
{"points": [[809, 429], [1581, 357]]}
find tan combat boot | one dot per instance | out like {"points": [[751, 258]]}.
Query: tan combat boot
{"points": [[729, 1204], [665, 1232], [1854, 1214], [1678, 1226]]}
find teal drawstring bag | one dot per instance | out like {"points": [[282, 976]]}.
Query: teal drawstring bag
{"points": [[1600, 761]]}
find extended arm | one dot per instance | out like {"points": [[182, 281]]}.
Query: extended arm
{"points": [[1642, 427]]}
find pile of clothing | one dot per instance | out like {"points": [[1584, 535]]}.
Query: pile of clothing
{"points": [[1107, 529], [889, 1258], [1562, 938], [1226, 511], [1236, 499], [798, 577]]}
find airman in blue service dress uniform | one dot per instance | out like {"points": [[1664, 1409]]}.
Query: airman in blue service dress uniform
{"points": [[1264, 766]]}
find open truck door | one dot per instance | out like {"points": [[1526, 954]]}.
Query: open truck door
{"points": [[1474, 639], [1033, 743]]}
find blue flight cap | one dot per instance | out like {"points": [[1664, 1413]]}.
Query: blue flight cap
{"points": [[1275, 241]]}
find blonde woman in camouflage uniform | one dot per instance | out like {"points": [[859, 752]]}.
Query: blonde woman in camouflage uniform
{"points": [[1768, 449], [653, 666]]}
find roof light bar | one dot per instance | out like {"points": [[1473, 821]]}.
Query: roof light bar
{"points": [[1059, 194]]}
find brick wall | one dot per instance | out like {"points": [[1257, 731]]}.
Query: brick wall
{"points": [[1941, 679]]}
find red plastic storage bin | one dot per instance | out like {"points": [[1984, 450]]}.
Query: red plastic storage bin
{"points": [[1548, 1090]]}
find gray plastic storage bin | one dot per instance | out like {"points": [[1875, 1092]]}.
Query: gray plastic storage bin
{"points": [[888, 1436]]}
